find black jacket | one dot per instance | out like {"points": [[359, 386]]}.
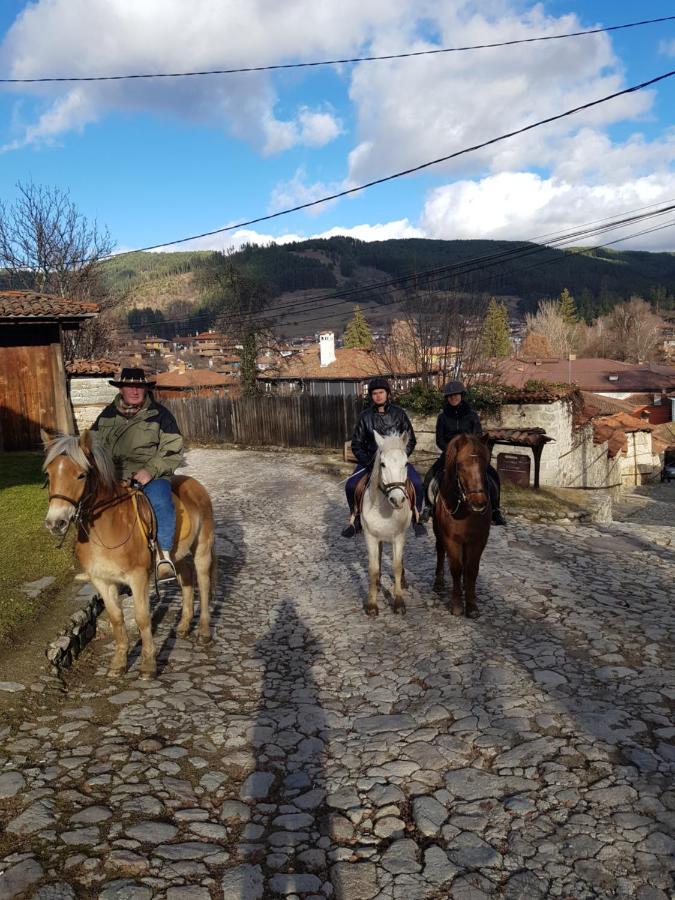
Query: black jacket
{"points": [[454, 420], [393, 420]]}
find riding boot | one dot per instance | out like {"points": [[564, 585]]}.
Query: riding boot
{"points": [[353, 528], [428, 509], [497, 517], [165, 570]]}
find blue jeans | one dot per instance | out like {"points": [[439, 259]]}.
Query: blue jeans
{"points": [[158, 492], [354, 478]]}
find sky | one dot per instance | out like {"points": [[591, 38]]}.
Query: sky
{"points": [[159, 160]]}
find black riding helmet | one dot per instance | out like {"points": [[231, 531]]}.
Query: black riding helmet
{"points": [[453, 387], [378, 384]]}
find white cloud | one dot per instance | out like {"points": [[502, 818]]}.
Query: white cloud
{"points": [[84, 37], [525, 206], [667, 48], [296, 191]]}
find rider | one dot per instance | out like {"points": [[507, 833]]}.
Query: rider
{"points": [[457, 417], [386, 418], [146, 446]]}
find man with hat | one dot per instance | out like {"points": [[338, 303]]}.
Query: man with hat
{"points": [[383, 417], [457, 417], [146, 446]]}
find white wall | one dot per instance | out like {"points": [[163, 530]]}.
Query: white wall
{"points": [[88, 396]]}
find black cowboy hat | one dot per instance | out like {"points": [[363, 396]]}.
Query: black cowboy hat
{"points": [[133, 378], [453, 387], [378, 384]]}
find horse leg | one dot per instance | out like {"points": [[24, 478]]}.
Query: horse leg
{"points": [[186, 579], [439, 580], [455, 560], [373, 573], [379, 563], [205, 563], [111, 600], [404, 580], [139, 588], [471, 564], [397, 553]]}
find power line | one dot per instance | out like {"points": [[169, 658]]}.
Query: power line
{"points": [[410, 171], [332, 62]]}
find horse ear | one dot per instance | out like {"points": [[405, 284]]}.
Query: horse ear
{"points": [[379, 440], [86, 442], [46, 437], [404, 439]]}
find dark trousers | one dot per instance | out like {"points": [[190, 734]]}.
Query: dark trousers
{"points": [[158, 492], [493, 481], [359, 471]]}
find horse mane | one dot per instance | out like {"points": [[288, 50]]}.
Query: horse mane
{"points": [[100, 460]]}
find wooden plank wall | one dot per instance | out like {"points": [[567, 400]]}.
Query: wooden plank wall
{"points": [[28, 396], [300, 421]]}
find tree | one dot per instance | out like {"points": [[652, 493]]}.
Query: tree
{"points": [[568, 308], [549, 322], [495, 340], [357, 333], [634, 331], [535, 346], [46, 245]]}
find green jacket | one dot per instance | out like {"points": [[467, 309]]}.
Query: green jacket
{"points": [[149, 440]]}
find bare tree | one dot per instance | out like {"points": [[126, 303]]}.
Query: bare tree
{"points": [[631, 332], [563, 337]]}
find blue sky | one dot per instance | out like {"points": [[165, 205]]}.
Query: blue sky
{"points": [[155, 161]]}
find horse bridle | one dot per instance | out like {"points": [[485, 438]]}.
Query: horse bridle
{"points": [[464, 494], [392, 486]]}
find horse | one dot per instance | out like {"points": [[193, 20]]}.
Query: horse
{"points": [[386, 515], [113, 522], [462, 517]]}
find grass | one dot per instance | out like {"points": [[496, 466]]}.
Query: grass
{"points": [[561, 501], [29, 551]]}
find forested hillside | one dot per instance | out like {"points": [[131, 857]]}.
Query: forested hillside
{"points": [[173, 282]]}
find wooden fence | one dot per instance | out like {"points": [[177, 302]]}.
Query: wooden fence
{"points": [[302, 421]]}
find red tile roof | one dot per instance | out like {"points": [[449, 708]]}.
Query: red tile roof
{"points": [[596, 375], [349, 363], [193, 378], [92, 367], [33, 305]]}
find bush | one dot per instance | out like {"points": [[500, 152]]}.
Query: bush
{"points": [[423, 400]]}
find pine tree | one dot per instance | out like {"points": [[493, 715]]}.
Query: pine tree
{"points": [[495, 340], [357, 333], [568, 308]]}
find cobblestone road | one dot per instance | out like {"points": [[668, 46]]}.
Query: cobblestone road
{"points": [[313, 752]]}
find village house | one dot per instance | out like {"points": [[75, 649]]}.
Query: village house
{"points": [[156, 346], [33, 389], [194, 383], [211, 343], [324, 371], [89, 388]]}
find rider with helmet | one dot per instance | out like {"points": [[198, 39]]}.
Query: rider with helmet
{"points": [[383, 417], [457, 417]]}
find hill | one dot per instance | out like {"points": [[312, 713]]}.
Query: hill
{"points": [[314, 270]]}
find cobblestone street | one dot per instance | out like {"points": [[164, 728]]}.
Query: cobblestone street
{"points": [[310, 751]]}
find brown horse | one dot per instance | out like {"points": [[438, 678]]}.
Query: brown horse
{"points": [[462, 518], [112, 544]]}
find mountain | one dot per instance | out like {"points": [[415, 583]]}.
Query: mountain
{"points": [[302, 278]]}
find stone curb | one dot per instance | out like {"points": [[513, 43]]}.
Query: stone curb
{"points": [[71, 640]]}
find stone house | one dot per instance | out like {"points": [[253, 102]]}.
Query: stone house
{"points": [[88, 388]]}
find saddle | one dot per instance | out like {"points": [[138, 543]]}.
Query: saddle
{"points": [[147, 520], [362, 485]]}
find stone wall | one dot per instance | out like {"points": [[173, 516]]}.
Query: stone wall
{"points": [[88, 396]]}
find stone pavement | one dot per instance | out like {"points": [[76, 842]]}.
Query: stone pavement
{"points": [[313, 752]]}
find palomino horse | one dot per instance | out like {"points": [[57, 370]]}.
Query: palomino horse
{"points": [[386, 515], [112, 544], [462, 518]]}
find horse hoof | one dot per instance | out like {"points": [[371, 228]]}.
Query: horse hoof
{"points": [[456, 610], [182, 632], [116, 671], [372, 611], [203, 639], [473, 613], [148, 676], [399, 609], [438, 586]]}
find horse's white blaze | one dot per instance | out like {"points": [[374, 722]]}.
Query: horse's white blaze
{"points": [[59, 514]]}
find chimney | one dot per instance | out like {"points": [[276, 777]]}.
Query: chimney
{"points": [[572, 357], [327, 348]]}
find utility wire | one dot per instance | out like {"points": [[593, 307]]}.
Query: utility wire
{"points": [[333, 62], [410, 171]]}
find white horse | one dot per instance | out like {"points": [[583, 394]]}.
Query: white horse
{"points": [[386, 516]]}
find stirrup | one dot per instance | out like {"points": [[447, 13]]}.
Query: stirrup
{"points": [[165, 570]]}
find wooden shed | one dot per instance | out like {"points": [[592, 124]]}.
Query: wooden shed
{"points": [[33, 391]]}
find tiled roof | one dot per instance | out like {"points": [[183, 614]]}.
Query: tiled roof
{"points": [[663, 437], [609, 375], [615, 430], [519, 437], [596, 405], [92, 367], [193, 378], [348, 364], [33, 305]]}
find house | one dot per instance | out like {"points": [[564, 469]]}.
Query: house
{"points": [[33, 389], [193, 383], [324, 371], [608, 377], [156, 346], [210, 343]]}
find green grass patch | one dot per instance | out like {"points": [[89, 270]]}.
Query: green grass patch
{"points": [[561, 501], [29, 551]]}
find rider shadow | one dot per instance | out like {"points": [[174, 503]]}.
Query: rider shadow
{"points": [[230, 552], [289, 739]]}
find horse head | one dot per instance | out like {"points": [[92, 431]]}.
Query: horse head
{"points": [[468, 456], [390, 468], [69, 460]]}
